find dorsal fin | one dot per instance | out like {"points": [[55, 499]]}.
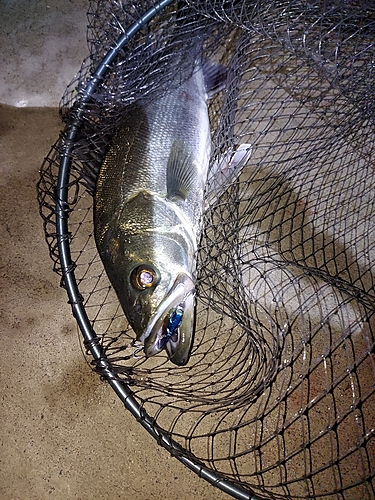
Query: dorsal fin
{"points": [[215, 77], [180, 171]]}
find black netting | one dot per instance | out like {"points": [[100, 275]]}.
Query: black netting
{"points": [[278, 395]]}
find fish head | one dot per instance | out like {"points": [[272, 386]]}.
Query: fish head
{"points": [[151, 291], [152, 272]]}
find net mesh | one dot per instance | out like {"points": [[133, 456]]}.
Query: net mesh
{"points": [[279, 392]]}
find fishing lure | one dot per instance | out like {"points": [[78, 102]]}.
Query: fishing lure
{"points": [[174, 322]]}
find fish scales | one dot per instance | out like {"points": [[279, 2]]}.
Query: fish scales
{"points": [[139, 153]]}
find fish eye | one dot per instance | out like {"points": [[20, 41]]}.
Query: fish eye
{"points": [[143, 277]]}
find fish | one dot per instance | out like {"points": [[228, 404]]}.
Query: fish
{"points": [[148, 206]]}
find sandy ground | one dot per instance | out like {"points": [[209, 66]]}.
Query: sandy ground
{"points": [[64, 434]]}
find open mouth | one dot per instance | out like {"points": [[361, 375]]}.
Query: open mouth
{"points": [[173, 324]]}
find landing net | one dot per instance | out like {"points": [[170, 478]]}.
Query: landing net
{"points": [[278, 398]]}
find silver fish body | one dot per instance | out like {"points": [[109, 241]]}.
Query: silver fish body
{"points": [[148, 208]]}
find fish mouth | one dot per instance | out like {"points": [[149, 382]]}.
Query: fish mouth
{"points": [[177, 340]]}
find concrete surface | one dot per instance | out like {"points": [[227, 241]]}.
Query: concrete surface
{"points": [[64, 434], [42, 45]]}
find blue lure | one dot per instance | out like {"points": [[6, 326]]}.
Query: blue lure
{"points": [[174, 322]]}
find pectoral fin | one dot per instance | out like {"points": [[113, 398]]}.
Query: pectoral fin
{"points": [[180, 171], [215, 77]]}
